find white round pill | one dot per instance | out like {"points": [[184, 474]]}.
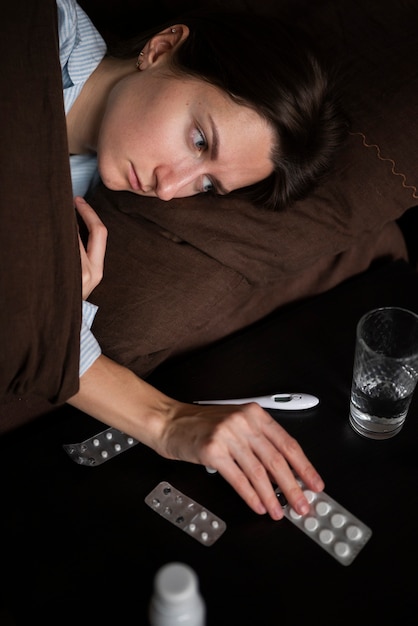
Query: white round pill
{"points": [[104, 454], [309, 495], [323, 508], [211, 470], [353, 532], [311, 524], [341, 549], [326, 535], [337, 520], [96, 442]]}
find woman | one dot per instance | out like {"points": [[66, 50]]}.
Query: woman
{"points": [[207, 104]]}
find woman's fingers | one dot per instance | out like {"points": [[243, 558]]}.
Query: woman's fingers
{"points": [[253, 452], [256, 492], [92, 256], [254, 469]]}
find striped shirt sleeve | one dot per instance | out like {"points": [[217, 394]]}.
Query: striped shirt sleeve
{"points": [[81, 50], [89, 346]]}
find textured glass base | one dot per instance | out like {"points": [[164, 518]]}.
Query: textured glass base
{"points": [[373, 434]]}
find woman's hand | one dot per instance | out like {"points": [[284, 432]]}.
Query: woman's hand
{"points": [[247, 447], [92, 258]]}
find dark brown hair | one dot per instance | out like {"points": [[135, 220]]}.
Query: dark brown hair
{"points": [[267, 65]]}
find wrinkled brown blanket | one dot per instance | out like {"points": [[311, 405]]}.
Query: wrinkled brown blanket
{"points": [[40, 287]]}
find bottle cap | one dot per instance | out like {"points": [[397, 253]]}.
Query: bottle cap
{"points": [[176, 598], [175, 583]]}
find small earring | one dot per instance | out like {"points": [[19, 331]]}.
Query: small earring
{"points": [[139, 61], [173, 30]]}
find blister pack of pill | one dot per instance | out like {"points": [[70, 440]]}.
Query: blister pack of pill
{"points": [[100, 448], [331, 525], [185, 513]]}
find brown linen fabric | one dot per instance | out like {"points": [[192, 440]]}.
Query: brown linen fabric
{"points": [[159, 298], [40, 279]]}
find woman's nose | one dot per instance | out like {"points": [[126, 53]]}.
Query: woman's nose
{"points": [[177, 182]]}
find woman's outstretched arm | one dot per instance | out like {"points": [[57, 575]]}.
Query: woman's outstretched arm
{"points": [[244, 443]]}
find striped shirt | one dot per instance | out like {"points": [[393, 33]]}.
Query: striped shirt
{"points": [[81, 50]]}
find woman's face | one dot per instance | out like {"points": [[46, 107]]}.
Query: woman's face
{"points": [[170, 137]]}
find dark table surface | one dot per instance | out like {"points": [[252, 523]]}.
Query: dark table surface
{"points": [[80, 546]]}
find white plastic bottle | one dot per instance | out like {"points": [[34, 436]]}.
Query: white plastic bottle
{"points": [[176, 599]]}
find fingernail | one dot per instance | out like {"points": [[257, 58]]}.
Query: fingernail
{"points": [[319, 484], [302, 507], [277, 513], [261, 509]]}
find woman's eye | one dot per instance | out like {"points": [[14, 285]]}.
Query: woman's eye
{"points": [[199, 140], [207, 184]]}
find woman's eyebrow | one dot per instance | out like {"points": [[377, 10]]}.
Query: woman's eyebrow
{"points": [[214, 151], [215, 139]]}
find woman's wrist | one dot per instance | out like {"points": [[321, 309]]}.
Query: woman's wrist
{"points": [[116, 396]]}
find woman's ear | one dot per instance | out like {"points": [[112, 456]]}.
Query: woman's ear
{"points": [[162, 45]]}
